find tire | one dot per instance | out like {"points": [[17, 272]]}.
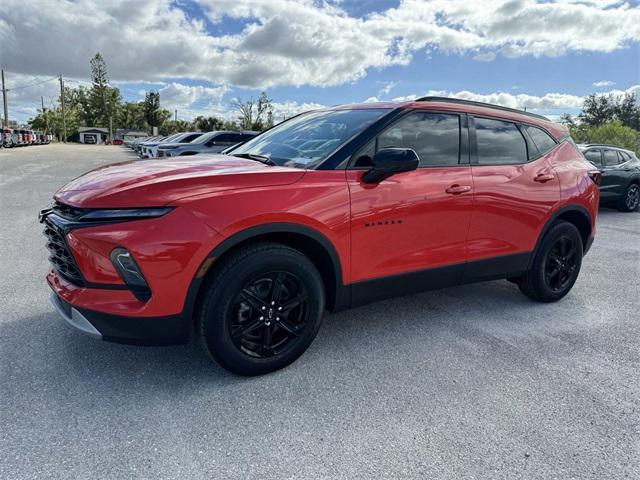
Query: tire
{"points": [[240, 327], [556, 264], [630, 199]]}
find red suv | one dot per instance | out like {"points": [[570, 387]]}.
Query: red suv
{"points": [[328, 210]]}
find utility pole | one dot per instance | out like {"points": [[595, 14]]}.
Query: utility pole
{"points": [[45, 117], [176, 117], [4, 102], [64, 121]]}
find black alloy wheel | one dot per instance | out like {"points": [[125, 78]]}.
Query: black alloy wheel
{"points": [[261, 308], [556, 264], [268, 314], [631, 198], [560, 263]]}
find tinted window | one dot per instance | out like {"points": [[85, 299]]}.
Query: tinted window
{"points": [[593, 156], [543, 141], [247, 136], [224, 138], [624, 156], [499, 142], [435, 137], [610, 158], [188, 138]]}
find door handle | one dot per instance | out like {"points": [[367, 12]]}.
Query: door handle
{"points": [[456, 189], [543, 177]]}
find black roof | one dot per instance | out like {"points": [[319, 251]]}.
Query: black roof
{"points": [[94, 130], [480, 104]]}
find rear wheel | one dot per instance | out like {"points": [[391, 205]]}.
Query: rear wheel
{"points": [[556, 264], [630, 199], [262, 309]]}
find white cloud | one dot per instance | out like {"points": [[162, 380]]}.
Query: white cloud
{"points": [[294, 42], [551, 101], [387, 87], [604, 83], [176, 95], [485, 57]]}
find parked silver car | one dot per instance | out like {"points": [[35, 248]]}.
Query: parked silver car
{"points": [[184, 137], [210, 142]]}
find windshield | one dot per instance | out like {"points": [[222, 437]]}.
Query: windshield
{"points": [[203, 138], [306, 140]]}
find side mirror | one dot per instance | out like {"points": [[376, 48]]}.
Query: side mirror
{"points": [[389, 161]]}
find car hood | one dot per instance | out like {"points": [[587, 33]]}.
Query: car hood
{"points": [[167, 182]]}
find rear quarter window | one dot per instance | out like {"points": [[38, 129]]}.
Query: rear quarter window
{"points": [[543, 141]]}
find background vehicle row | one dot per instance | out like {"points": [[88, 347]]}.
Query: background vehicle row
{"points": [[20, 137], [188, 143]]}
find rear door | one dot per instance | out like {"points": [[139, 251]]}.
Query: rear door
{"points": [[594, 155], [413, 222], [614, 176], [515, 188]]}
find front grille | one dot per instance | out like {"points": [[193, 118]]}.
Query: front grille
{"points": [[60, 256], [67, 211]]}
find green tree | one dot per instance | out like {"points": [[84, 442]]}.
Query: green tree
{"points": [[597, 109], [103, 99], [131, 115], [174, 126], [627, 111], [254, 115], [208, 124], [567, 119], [611, 133], [154, 115]]}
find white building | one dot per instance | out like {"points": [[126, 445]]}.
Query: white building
{"points": [[93, 135]]}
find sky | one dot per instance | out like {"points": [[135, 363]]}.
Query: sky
{"points": [[544, 55]]}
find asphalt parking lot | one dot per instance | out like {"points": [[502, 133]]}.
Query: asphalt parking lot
{"points": [[469, 382]]}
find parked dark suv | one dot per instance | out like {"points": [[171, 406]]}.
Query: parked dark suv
{"points": [[620, 184]]}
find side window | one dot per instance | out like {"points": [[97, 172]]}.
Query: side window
{"points": [[499, 142], [543, 141], [624, 156], [188, 138], [594, 157], [435, 137], [222, 138], [610, 158]]}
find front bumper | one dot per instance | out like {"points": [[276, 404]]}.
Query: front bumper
{"points": [[171, 330], [73, 317]]}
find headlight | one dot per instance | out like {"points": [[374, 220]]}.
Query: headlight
{"points": [[125, 213]]}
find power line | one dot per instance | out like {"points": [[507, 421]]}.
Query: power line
{"points": [[32, 84]]}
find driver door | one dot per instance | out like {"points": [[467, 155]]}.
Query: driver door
{"points": [[409, 231]]}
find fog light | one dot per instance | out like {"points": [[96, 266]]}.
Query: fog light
{"points": [[128, 269]]}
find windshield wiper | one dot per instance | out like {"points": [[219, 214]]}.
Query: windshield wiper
{"points": [[257, 158]]}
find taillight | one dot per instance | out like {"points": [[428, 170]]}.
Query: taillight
{"points": [[595, 176]]}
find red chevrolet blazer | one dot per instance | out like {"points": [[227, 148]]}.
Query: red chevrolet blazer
{"points": [[328, 210]]}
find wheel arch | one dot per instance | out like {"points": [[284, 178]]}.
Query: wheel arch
{"points": [[577, 215], [317, 247]]}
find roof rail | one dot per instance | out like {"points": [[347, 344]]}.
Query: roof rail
{"points": [[604, 145], [480, 104]]}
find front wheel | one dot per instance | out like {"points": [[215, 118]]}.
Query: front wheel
{"points": [[556, 264], [630, 199], [262, 309]]}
